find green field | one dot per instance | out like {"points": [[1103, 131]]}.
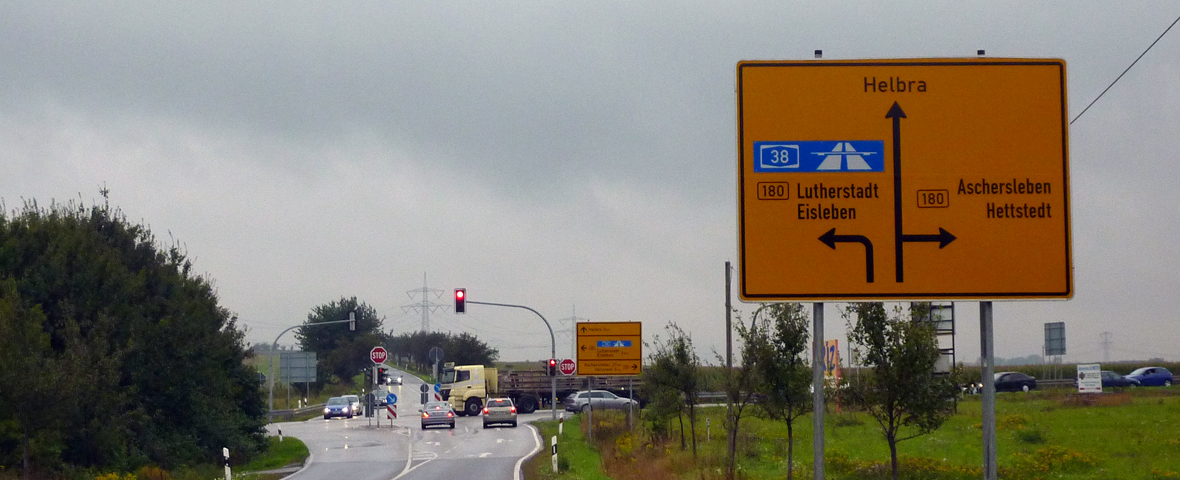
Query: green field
{"points": [[1043, 434]]}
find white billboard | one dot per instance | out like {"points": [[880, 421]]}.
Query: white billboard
{"points": [[1090, 378]]}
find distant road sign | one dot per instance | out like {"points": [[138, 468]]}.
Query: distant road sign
{"points": [[568, 367], [437, 387], [892, 179], [391, 399], [435, 354], [424, 388], [378, 355], [609, 348]]}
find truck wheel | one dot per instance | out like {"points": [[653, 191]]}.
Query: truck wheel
{"points": [[473, 406], [528, 405]]}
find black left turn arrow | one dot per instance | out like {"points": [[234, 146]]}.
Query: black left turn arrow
{"points": [[830, 239]]}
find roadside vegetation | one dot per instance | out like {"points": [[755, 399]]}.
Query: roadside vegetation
{"points": [[1041, 435], [896, 420]]}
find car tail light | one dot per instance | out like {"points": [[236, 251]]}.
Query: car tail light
{"points": [[450, 414], [485, 410], [425, 415], [513, 409]]}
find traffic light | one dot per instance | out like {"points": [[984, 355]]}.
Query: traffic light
{"points": [[382, 375], [368, 376], [460, 300], [552, 367]]}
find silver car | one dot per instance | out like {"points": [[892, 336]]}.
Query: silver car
{"points": [[599, 399], [499, 410], [438, 413]]}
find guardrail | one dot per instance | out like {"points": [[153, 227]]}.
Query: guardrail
{"points": [[290, 414]]}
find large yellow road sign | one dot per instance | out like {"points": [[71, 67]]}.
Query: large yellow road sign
{"points": [[609, 348], [903, 179]]}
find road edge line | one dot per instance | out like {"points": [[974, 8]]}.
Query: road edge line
{"points": [[306, 465], [516, 474]]}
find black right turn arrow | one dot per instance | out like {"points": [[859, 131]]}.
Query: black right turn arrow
{"points": [[830, 239]]}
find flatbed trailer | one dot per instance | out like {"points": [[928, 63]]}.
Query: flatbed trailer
{"points": [[470, 385]]}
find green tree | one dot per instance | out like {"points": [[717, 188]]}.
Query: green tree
{"points": [[775, 343], [340, 352], [141, 363], [900, 390], [674, 371]]}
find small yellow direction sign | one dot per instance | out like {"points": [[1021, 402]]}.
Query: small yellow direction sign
{"points": [[894, 179], [610, 348]]}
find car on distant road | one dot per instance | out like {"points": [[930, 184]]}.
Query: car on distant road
{"points": [[598, 399], [398, 380], [437, 413], [1112, 380], [1152, 376], [337, 407], [354, 402], [499, 410], [1014, 382]]}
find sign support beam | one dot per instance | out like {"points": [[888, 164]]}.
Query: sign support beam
{"points": [[817, 393], [987, 347]]}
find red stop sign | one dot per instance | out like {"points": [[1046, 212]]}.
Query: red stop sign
{"points": [[567, 367], [378, 355]]}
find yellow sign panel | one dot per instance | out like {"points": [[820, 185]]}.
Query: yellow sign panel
{"points": [[609, 367], [610, 348], [892, 179]]}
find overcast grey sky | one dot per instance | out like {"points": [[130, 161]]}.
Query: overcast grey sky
{"points": [[553, 154]]}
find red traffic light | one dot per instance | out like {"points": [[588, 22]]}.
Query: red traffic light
{"points": [[460, 300], [552, 367]]}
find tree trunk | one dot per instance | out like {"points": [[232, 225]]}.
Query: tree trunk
{"points": [[893, 453], [26, 464], [680, 417], [692, 424], [731, 472], [790, 451]]}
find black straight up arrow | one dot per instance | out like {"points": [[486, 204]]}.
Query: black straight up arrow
{"points": [[944, 237], [830, 239]]}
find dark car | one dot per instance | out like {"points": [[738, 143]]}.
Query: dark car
{"points": [[1014, 382], [1111, 379], [437, 413], [1152, 376], [337, 407]]}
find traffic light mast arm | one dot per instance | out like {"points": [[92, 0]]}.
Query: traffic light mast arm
{"points": [[270, 379], [552, 343]]}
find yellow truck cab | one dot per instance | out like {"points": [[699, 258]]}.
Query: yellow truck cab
{"points": [[472, 384]]}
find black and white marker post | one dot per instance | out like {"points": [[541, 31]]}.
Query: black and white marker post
{"points": [[228, 474], [553, 442]]}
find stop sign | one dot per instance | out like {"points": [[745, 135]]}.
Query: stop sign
{"points": [[567, 367], [378, 355]]}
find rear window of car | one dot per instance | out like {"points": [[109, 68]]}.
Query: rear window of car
{"points": [[500, 402], [436, 406]]}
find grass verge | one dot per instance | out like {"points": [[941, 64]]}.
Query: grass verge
{"points": [[576, 459], [290, 451]]}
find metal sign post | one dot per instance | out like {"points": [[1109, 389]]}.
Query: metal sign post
{"points": [[986, 346], [817, 386]]}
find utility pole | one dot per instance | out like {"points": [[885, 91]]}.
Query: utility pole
{"points": [[425, 306], [1106, 342]]}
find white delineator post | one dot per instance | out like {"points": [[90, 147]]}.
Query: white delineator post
{"points": [[228, 475], [561, 424], [553, 442]]}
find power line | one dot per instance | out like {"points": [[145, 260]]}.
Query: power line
{"points": [[1125, 71]]}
